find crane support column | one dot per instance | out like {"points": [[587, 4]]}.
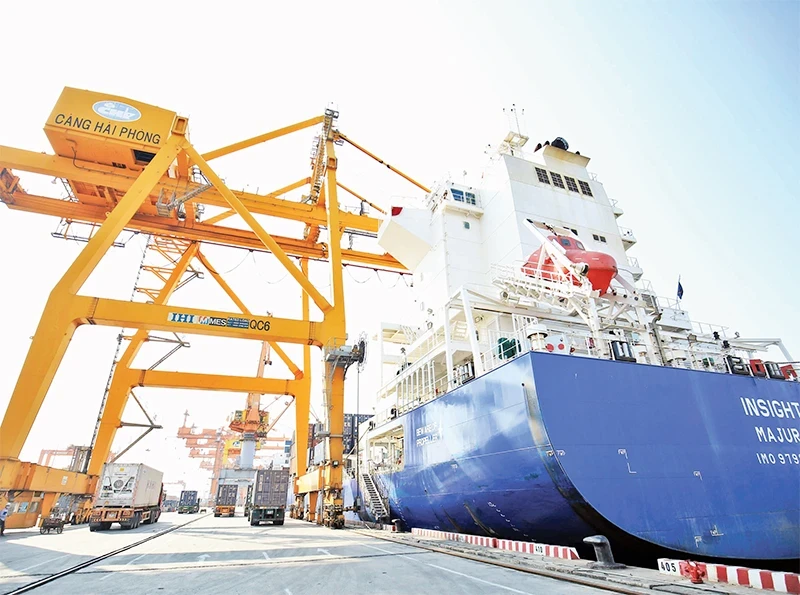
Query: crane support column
{"points": [[335, 366], [57, 324], [302, 405]]}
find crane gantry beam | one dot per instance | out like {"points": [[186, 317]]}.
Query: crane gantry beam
{"points": [[121, 180], [149, 177]]}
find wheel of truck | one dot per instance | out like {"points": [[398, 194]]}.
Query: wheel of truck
{"points": [[105, 526], [137, 519], [59, 530], [254, 523], [277, 522], [216, 514]]}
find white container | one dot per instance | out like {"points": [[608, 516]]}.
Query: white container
{"points": [[132, 485]]}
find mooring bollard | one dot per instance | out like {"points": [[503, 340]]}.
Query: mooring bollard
{"points": [[602, 551]]}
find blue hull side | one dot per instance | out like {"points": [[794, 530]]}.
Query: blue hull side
{"points": [[553, 448]]}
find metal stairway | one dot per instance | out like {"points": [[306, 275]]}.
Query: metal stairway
{"points": [[376, 504]]}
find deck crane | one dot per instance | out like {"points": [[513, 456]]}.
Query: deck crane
{"points": [[131, 166]]}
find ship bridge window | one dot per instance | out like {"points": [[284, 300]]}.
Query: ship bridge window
{"points": [[457, 194], [599, 238], [557, 181], [542, 174], [585, 188], [469, 198], [571, 184]]}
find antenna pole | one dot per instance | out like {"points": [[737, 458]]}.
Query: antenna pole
{"points": [[516, 118]]}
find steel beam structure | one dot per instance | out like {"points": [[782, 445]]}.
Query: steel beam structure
{"points": [[119, 198]]}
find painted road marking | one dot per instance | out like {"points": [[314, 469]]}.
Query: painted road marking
{"points": [[150, 551], [45, 562], [480, 580], [448, 570]]}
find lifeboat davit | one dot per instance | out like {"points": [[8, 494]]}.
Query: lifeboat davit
{"points": [[602, 267]]}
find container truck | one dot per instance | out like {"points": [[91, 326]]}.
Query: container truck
{"points": [[267, 501], [128, 494], [225, 503], [188, 502]]}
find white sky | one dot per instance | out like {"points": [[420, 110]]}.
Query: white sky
{"points": [[423, 87]]}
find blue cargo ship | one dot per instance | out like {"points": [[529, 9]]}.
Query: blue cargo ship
{"points": [[553, 448], [547, 393]]}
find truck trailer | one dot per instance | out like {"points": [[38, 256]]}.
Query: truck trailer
{"points": [[225, 503], [188, 503], [267, 502], [128, 494]]}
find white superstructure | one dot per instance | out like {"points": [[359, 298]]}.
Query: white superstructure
{"points": [[466, 247]]}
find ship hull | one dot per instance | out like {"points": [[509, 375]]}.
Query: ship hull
{"points": [[554, 448]]}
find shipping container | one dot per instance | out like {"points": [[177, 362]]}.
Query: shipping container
{"points": [[226, 494], [131, 485], [188, 498], [270, 487], [189, 503], [128, 494], [267, 498]]}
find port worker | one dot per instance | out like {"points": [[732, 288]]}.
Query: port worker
{"points": [[3, 515]]}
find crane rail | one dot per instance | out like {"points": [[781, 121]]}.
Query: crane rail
{"points": [[73, 569], [559, 576]]}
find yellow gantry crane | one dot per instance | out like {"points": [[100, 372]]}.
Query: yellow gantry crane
{"points": [[130, 166]]}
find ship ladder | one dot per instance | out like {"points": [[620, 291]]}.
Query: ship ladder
{"points": [[376, 504]]}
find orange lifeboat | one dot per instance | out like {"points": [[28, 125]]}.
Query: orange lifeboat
{"points": [[602, 267]]}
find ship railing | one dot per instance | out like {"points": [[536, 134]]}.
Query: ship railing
{"points": [[418, 385], [645, 286], [504, 346], [705, 328], [671, 303], [436, 342], [520, 277], [419, 389]]}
